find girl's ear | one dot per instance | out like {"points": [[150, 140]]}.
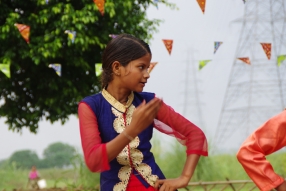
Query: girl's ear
{"points": [[116, 68]]}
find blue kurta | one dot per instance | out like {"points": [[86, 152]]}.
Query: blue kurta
{"points": [[136, 157]]}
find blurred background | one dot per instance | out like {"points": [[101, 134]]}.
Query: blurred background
{"points": [[226, 73]]}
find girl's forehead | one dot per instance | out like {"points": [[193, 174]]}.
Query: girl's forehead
{"points": [[146, 59]]}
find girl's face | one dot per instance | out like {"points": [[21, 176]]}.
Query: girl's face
{"points": [[135, 74]]}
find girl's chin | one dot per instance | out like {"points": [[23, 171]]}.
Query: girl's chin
{"points": [[139, 90]]}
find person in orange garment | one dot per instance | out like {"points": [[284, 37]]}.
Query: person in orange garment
{"points": [[267, 139]]}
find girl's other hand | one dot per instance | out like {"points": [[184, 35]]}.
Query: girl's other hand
{"points": [[143, 116], [172, 184]]}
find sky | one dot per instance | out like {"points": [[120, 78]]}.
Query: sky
{"points": [[194, 34]]}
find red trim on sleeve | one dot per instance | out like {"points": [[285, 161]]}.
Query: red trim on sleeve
{"points": [[94, 150]]}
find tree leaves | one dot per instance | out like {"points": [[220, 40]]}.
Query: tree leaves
{"points": [[35, 92]]}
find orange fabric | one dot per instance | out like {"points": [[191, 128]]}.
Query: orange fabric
{"points": [[151, 67], [267, 139], [202, 4], [100, 5], [245, 60], [169, 45], [24, 30], [267, 49]]}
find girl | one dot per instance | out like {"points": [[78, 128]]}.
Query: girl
{"points": [[116, 125]]}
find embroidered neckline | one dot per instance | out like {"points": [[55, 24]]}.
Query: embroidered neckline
{"points": [[115, 103]]}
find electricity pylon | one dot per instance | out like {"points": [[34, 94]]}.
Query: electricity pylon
{"points": [[192, 105], [256, 91]]}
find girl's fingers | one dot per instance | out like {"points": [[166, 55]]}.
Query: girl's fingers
{"points": [[150, 107], [163, 185], [147, 111], [158, 184], [154, 101], [162, 188], [154, 104], [142, 104]]}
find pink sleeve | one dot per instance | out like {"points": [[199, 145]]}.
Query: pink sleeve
{"points": [[172, 123], [94, 150], [267, 139]]}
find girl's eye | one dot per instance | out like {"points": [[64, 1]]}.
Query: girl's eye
{"points": [[141, 67]]}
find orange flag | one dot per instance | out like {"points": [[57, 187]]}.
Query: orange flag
{"points": [[267, 49], [151, 67], [168, 44], [202, 4], [245, 60], [24, 31], [100, 5]]}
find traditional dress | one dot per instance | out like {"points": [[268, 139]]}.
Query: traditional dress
{"points": [[270, 137], [33, 179], [102, 118]]}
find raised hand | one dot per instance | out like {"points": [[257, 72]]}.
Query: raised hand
{"points": [[143, 116]]}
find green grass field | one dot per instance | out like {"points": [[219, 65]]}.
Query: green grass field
{"points": [[212, 168]]}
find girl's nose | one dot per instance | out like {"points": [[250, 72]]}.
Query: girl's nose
{"points": [[146, 74]]}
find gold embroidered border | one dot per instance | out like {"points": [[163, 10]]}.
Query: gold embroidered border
{"points": [[132, 153], [146, 172], [115, 103], [118, 122], [125, 173]]}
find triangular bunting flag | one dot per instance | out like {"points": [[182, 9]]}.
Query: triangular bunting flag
{"points": [[98, 69], [244, 1], [113, 35], [151, 67], [267, 49], [216, 46], [57, 68], [156, 3], [245, 60], [24, 31], [100, 5], [202, 4], [203, 63], [5, 68], [71, 35], [280, 59], [168, 44]]}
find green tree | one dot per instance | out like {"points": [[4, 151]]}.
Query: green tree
{"points": [[34, 91], [24, 159], [4, 163], [58, 155]]}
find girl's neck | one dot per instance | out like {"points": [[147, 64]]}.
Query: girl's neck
{"points": [[120, 94]]}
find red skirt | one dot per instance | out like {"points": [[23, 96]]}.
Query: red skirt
{"points": [[135, 185]]}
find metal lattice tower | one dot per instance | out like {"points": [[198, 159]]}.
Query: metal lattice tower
{"points": [[191, 100], [257, 91]]}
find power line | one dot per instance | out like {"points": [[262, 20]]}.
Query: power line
{"points": [[257, 91]]}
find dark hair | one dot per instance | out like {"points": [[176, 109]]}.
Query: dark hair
{"points": [[124, 49]]}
